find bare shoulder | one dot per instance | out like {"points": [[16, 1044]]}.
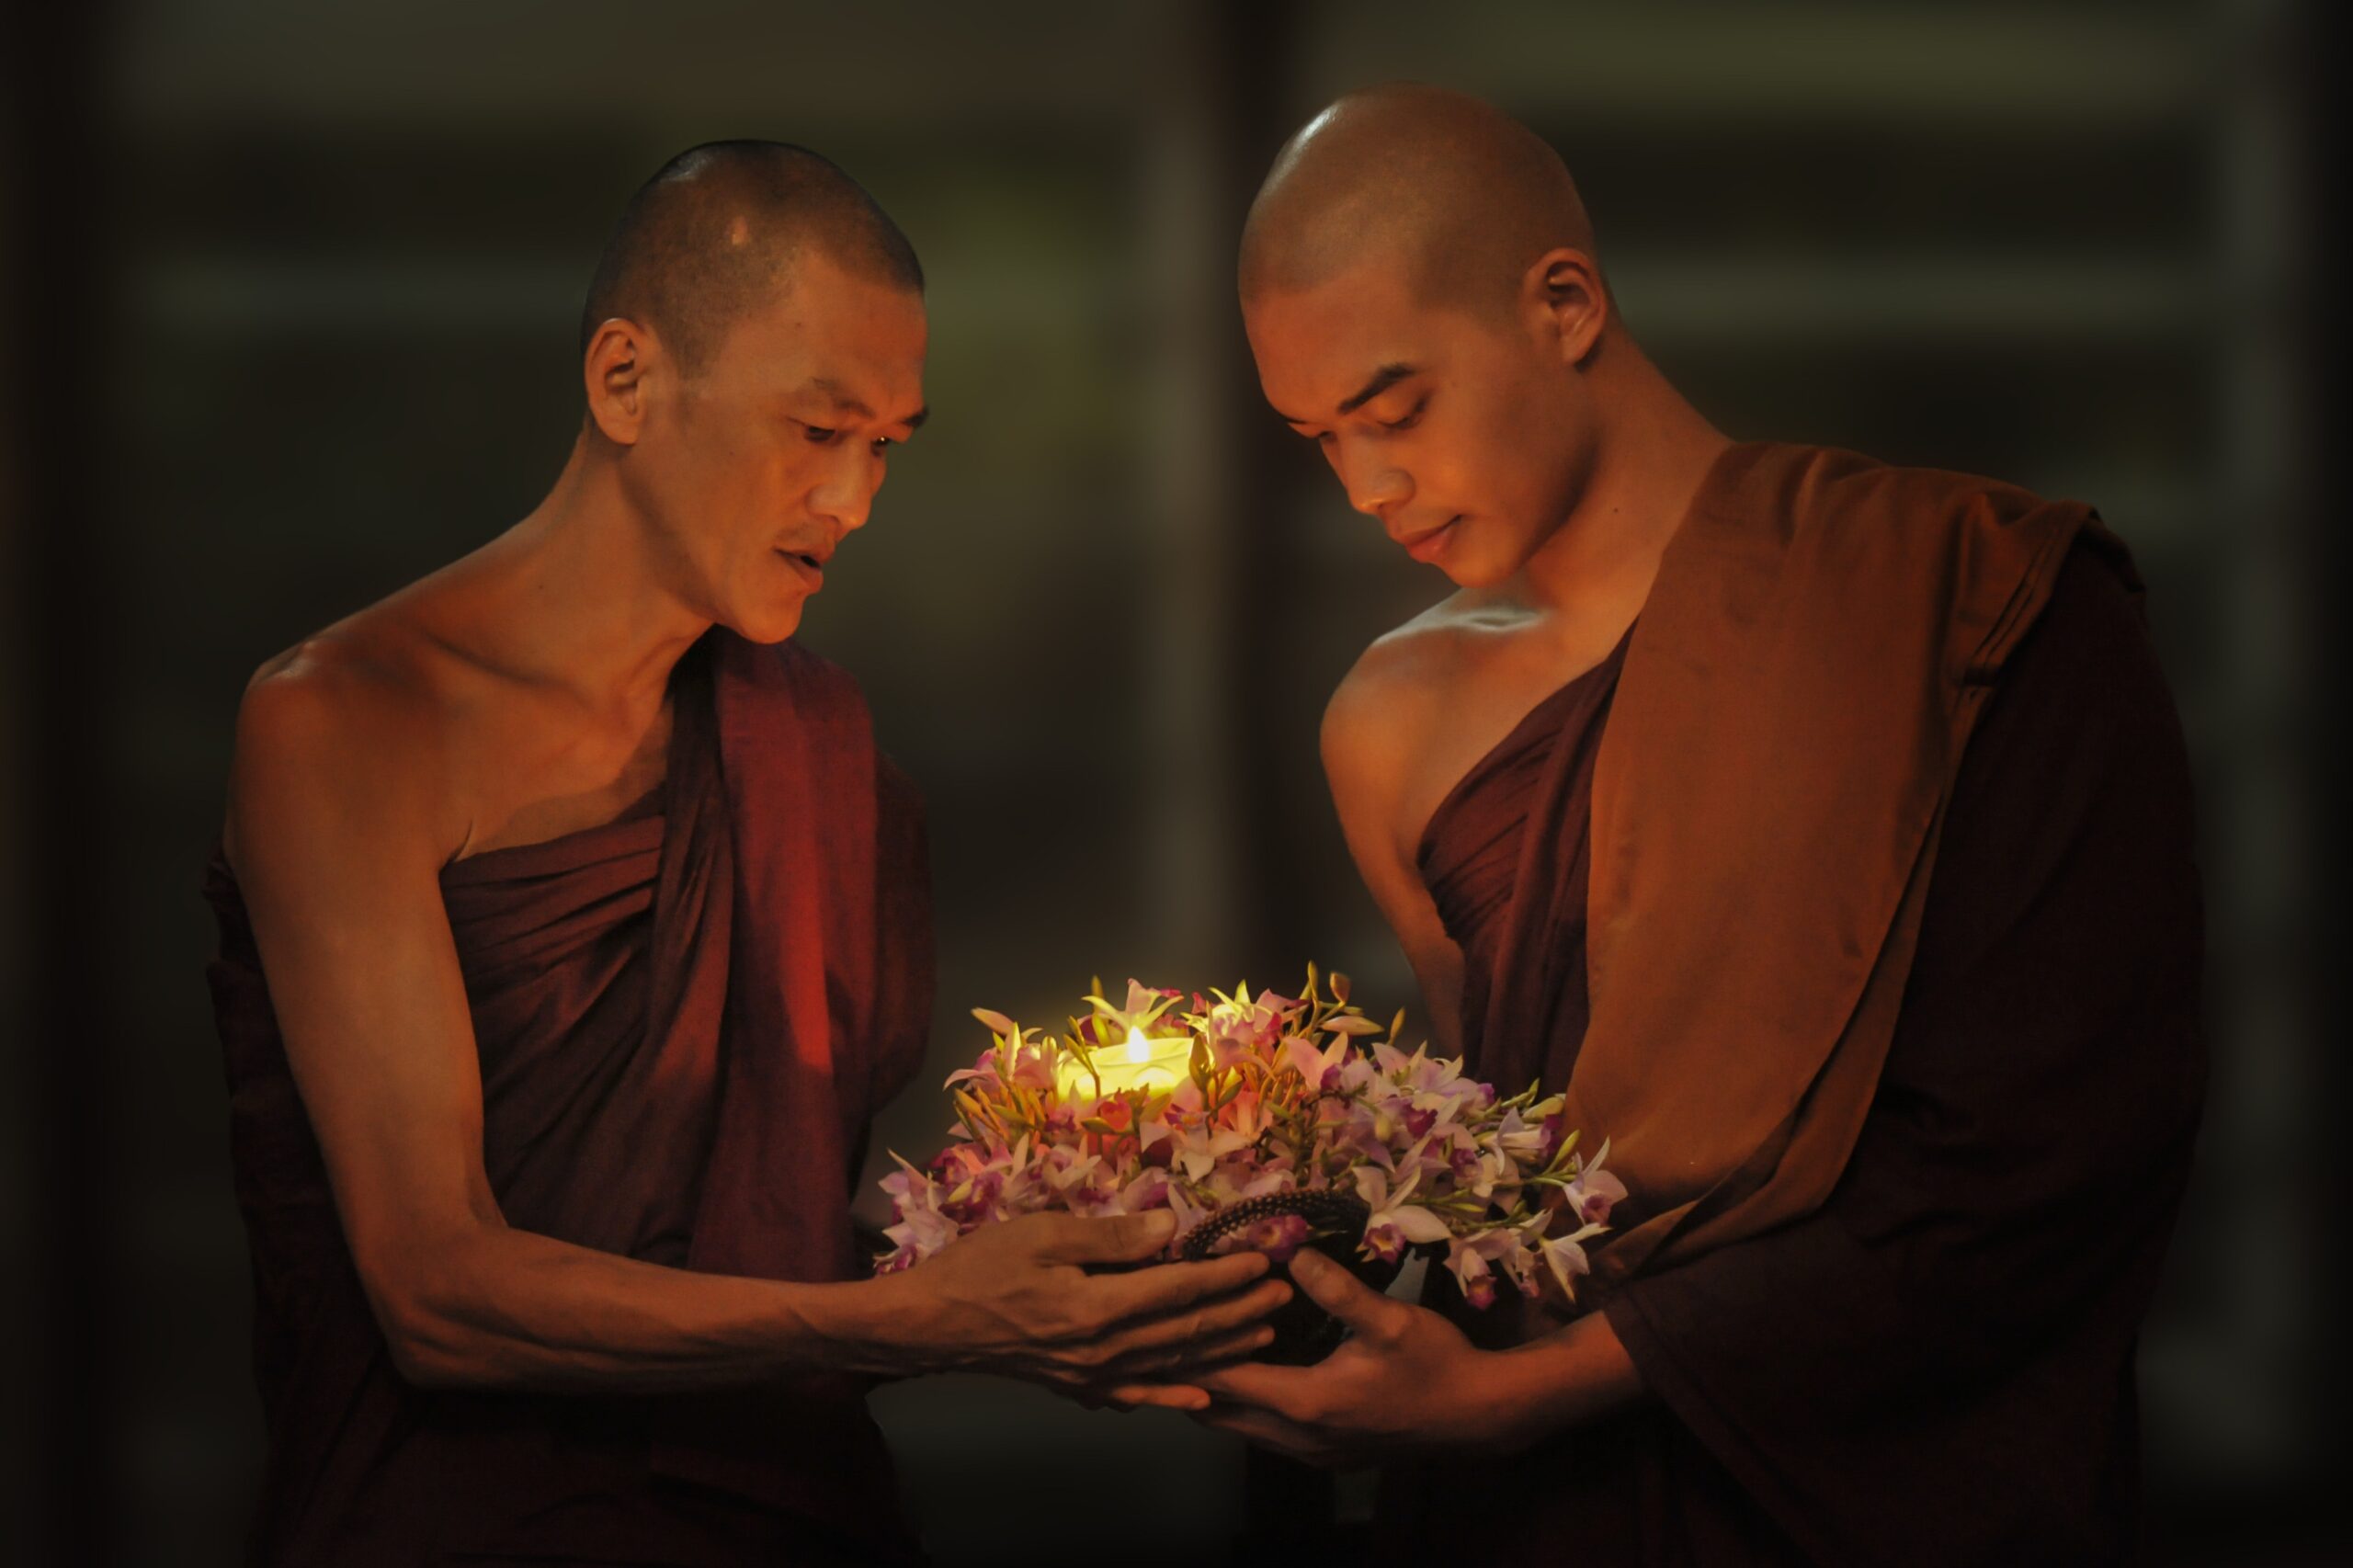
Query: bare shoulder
{"points": [[1396, 694], [346, 728], [328, 694]]}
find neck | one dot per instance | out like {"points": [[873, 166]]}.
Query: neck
{"points": [[579, 595], [1652, 453]]}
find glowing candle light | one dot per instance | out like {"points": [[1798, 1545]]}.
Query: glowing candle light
{"points": [[1142, 1061]]}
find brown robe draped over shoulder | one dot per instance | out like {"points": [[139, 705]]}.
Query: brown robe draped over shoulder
{"points": [[685, 1022], [1852, 898]]}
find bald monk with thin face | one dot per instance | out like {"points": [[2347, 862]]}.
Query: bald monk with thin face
{"points": [[1820, 828], [573, 929]]}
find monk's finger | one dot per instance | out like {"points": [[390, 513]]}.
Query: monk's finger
{"points": [[1110, 1238], [1282, 1389], [1210, 1318], [1172, 1286], [1194, 1355], [1332, 1286], [1164, 1396]]}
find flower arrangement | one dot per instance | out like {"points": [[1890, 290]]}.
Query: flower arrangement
{"points": [[1264, 1121]]}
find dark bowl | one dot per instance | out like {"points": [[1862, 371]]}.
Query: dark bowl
{"points": [[1304, 1332]]}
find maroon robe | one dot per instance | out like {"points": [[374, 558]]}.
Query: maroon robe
{"points": [[1936, 1363], [685, 1022]]}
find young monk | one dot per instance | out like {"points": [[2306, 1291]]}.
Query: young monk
{"points": [[1822, 828], [573, 929]]}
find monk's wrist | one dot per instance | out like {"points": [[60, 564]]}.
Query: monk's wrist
{"points": [[1495, 1410], [872, 1327], [1565, 1379]]}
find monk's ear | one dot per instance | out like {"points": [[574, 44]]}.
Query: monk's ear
{"points": [[1563, 297], [620, 369]]}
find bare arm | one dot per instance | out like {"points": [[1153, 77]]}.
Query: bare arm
{"points": [[337, 834], [1372, 729]]}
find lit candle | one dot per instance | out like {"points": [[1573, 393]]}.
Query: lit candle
{"points": [[1158, 1063]]}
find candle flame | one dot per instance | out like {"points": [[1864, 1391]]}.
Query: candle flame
{"points": [[1139, 1048]]}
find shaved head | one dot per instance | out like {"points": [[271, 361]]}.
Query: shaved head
{"points": [[1452, 194], [716, 233]]}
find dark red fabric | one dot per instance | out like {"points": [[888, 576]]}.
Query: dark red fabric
{"points": [[1937, 1365], [1518, 819], [684, 1021]]}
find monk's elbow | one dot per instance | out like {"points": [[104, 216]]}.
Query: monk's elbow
{"points": [[430, 1350], [426, 1316]]}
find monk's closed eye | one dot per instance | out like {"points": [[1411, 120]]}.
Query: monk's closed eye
{"points": [[1412, 417]]}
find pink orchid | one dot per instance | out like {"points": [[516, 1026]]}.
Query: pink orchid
{"points": [[1531, 1136], [918, 1234], [1241, 1024], [1592, 1195], [1367, 1133], [1321, 1069], [1564, 1255], [1420, 1073], [974, 1198], [983, 1068], [1149, 1191], [1033, 1069], [1156, 1145], [1279, 1236], [1188, 1214], [1479, 1170], [1470, 1260], [1394, 1222]]}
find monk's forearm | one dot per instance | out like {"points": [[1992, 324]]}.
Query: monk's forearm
{"points": [[508, 1309], [1578, 1374]]}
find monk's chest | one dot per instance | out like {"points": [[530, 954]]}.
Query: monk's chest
{"points": [[1490, 691], [538, 781]]}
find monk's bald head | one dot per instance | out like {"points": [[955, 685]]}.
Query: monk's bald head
{"points": [[715, 234], [1451, 192]]}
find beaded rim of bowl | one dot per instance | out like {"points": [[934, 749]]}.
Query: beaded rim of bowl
{"points": [[1323, 1210]]}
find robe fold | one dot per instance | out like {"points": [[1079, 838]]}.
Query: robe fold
{"points": [[1945, 971], [685, 1020]]}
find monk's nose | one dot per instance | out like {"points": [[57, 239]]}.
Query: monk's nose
{"points": [[1374, 482], [846, 498], [1375, 487]]}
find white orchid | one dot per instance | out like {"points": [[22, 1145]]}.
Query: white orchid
{"points": [[1394, 1222]]}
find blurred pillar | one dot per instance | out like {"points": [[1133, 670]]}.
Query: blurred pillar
{"points": [[61, 663], [2309, 59], [2263, 885], [1230, 564], [1224, 555]]}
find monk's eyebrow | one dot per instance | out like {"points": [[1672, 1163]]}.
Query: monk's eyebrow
{"points": [[845, 403], [1383, 380]]}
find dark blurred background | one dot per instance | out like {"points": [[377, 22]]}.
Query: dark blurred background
{"points": [[292, 291]]}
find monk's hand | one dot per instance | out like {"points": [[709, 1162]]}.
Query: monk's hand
{"points": [[1404, 1381], [1055, 1299]]}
